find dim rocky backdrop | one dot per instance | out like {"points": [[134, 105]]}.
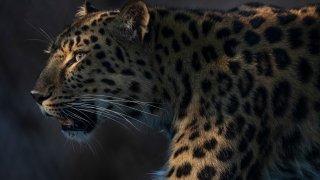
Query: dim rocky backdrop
{"points": [[31, 146]]}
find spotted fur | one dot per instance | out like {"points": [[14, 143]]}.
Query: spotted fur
{"points": [[237, 91]]}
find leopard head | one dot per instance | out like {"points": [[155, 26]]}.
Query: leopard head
{"points": [[98, 67]]}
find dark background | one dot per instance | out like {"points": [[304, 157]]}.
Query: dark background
{"points": [[31, 146]]}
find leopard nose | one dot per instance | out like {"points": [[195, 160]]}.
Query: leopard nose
{"points": [[38, 96]]}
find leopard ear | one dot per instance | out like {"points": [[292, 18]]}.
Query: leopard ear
{"points": [[86, 9], [133, 19]]}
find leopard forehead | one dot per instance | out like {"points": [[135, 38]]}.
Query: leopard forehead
{"points": [[90, 24]]}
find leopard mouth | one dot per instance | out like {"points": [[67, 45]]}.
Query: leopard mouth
{"points": [[77, 121]]}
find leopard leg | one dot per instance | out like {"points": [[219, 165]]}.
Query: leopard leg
{"points": [[202, 150]]}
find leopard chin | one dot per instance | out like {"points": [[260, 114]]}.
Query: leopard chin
{"points": [[76, 124], [79, 136]]}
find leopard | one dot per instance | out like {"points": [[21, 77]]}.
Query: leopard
{"points": [[236, 91]]}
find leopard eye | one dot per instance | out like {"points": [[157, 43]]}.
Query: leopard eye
{"points": [[80, 56]]}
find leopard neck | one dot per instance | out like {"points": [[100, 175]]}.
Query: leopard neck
{"points": [[177, 58]]}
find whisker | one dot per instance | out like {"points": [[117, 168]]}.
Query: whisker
{"points": [[47, 34], [106, 115], [103, 108], [112, 97], [65, 115], [91, 148], [82, 114], [39, 31], [113, 103], [124, 116], [109, 98], [38, 40], [75, 116]]}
